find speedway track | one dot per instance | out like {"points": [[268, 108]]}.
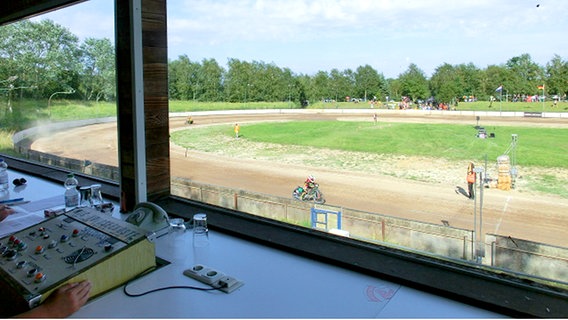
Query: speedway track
{"points": [[512, 213]]}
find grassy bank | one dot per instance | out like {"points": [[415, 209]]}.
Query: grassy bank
{"points": [[356, 144], [536, 147], [24, 112], [27, 113]]}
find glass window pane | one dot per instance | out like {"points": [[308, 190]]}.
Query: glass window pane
{"points": [[387, 108], [57, 80], [386, 113]]}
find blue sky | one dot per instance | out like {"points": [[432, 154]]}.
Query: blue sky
{"points": [[312, 35]]}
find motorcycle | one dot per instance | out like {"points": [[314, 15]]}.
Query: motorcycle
{"points": [[313, 194]]}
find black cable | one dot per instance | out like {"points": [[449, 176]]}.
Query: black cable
{"points": [[166, 288], [143, 273]]}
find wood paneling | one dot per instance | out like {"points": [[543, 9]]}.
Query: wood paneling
{"points": [[155, 53], [13, 10], [125, 105]]}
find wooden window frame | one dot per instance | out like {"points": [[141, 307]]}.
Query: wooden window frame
{"points": [[143, 132]]}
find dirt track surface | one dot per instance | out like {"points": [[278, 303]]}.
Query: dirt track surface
{"points": [[516, 213]]}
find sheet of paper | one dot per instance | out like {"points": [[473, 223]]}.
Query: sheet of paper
{"points": [[19, 220], [28, 214], [40, 205]]}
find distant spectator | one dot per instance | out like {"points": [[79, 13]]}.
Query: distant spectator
{"points": [[237, 129], [470, 180]]}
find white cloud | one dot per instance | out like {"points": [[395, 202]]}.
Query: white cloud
{"points": [[328, 34], [89, 19], [287, 20]]}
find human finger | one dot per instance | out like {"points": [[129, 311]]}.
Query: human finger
{"points": [[5, 211], [68, 286], [82, 289]]}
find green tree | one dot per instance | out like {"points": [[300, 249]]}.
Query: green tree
{"points": [[238, 81], [369, 83], [557, 76], [394, 89], [495, 76], [320, 87], [446, 84], [525, 74], [183, 80], [414, 83], [98, 75], [44, 56], [341, 84], [210, 76], [268, 83], [303, 85], [469, 77]]}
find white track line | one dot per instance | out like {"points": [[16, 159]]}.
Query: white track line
{"points": [[502, 214]]}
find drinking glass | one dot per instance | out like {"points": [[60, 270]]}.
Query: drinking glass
{"points": [[177, 241], [96, 196], [200, 238]]}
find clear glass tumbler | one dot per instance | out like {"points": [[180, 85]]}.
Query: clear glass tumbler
{"points": [[177, 241], [96, 195], [85, 196], [200, 238]]}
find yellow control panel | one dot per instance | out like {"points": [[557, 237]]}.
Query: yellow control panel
{"points": [[83, 244]]}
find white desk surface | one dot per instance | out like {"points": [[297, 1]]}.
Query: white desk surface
{"points": [[277, 284]]}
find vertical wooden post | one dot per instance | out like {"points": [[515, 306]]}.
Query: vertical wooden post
{"points": [[151, 179]]}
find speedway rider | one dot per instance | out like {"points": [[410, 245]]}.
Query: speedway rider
{"points": [[309, 184]]}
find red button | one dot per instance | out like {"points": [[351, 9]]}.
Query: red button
{"points": [[39, 277]]}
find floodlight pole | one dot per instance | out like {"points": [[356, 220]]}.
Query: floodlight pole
{"points": [[479, 247], [543, 97], [71, 91], [513, 157], [501, 102]]}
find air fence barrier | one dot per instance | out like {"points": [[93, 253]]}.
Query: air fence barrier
{"points": [[532, 258], [517, 255]]}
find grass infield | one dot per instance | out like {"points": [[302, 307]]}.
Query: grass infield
{"points": [[541, 147]]}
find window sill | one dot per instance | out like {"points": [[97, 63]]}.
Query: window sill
{"points": [[461, 281]]}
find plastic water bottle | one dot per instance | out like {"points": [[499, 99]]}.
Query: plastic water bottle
{"points": [[72, 195], [4, 181]]}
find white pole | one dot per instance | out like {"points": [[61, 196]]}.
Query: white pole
{"points": [[479, 246], [138, 83], [500, 99], [543, 97]]}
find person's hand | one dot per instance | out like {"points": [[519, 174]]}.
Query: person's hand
{"points": [[5, 211], [63, 302]]}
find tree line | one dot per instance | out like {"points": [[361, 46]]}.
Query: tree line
{"points": [[41, 60]]}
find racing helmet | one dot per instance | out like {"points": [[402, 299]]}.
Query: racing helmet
{"points": [[311, 178]]}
